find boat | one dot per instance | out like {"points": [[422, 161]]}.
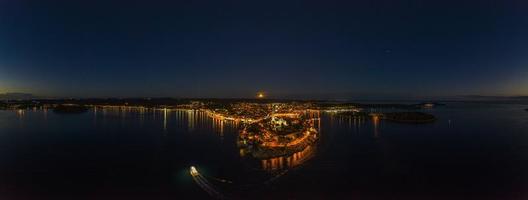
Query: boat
{"points": [[193, 171]]}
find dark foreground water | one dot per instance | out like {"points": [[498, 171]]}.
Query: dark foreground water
{"points": [[474, 151]]}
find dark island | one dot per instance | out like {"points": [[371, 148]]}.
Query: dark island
{"points": [[526, 109], [409, 117], [70, 109]]}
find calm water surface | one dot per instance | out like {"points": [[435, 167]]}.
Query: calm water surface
{"points": [[474, 151]]}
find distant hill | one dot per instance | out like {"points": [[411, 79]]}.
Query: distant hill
{"points": [[16, 96]]}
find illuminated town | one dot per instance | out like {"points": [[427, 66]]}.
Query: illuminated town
{"points": [[264, 118], [279, 133]]}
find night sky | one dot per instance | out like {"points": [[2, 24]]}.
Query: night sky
{"points": [[294, 49]]}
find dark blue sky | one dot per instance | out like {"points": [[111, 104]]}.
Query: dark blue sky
{"points": [[287, 48]]}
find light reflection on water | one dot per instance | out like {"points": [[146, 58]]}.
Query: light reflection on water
{"points": [[288, 162], [168, 118], [466, 143], [194, 120]]}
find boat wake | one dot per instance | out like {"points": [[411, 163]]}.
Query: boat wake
{"points": [[204, 184]]}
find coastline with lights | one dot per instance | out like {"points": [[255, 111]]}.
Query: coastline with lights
{"points": [[246, 111]]}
